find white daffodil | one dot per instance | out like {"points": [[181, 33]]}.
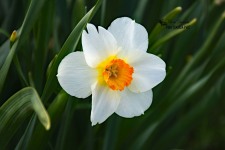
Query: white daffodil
{"points": [[115, 68]]}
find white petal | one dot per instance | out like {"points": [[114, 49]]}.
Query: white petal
{"points": [[129, 35], [98, 45], [149, 70], [134, 104], [75, 76], [104, 103]]}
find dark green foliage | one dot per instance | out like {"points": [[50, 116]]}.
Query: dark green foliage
{"points": [[188, 106]]}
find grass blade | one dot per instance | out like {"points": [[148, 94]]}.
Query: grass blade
{"points": [[30, 18], [168, 17], [44, 29], [4, 51], [5, 67], [17, 108], [68, 47], [39, 138], [170, 35], [204, 50]]}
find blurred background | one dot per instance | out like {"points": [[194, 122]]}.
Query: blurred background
{"points": [[188, 106]]}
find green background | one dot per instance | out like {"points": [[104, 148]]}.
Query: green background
{"points": [[188, 106]]}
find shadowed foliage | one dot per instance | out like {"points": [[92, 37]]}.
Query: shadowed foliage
{"points": [[188, 106]]}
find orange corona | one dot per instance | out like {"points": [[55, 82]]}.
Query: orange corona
{"points": [[117, 74]]}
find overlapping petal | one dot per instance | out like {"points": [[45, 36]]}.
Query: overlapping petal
{"points": [[98, 45], [104, 103], [75, 76], [129, 35], [149, 70], [133, 104]]}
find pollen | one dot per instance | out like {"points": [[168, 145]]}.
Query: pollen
{"points": [[117, 74]]}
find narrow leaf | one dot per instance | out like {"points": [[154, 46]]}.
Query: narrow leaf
{"points": [[30, 18], [159, 27], [68, 47], [201, 54], [15, 111], [171, 35], [4, 51], [39, 137]]}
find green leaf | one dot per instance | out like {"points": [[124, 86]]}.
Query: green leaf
{"points": [[5, 67], [66, 124], [111, 133], [17, 109], [192, 93], [30, 18], [201, 54], [187, 121], [44, 29], [5, 33], [103, 12], [20, 72], [39, 137], [4, 51], [170, 35], [68, 47], [168, 17], [78, 12], [138, 14]]}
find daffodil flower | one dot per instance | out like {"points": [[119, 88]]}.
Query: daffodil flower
{"points": [[115, 68]]}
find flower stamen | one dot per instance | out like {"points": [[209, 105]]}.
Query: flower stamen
{"points": [[112, 70], [117, 74]]}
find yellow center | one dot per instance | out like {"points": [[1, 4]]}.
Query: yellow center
{"points": [[116, 73]]}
